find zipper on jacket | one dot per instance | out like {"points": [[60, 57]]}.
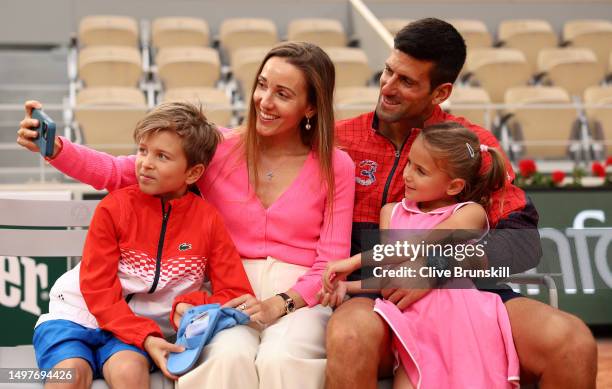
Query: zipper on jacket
{"points": [[398, 155], [160, 246]]}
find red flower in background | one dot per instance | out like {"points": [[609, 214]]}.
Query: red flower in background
{"points": [[557, 177], [598, 169], [527, 167], [609, 161]]}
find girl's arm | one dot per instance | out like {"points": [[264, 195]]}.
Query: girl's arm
{"points": [[338, 271], [354, 287], [385, 215], [469, 217]]}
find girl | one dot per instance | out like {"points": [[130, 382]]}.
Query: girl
{"points": [[449, 338]]}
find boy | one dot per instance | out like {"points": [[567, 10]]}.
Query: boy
{"points": [[147, 244]]}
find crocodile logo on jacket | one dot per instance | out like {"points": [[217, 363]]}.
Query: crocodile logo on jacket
{"points": [[184, 246]]}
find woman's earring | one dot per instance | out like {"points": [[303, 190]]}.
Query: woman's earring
{"points": [[308, 126]]}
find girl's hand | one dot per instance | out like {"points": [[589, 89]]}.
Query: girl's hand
{"points": [[158, 349], [334, 298], [336, 271], [25, 134], [179, 311]]}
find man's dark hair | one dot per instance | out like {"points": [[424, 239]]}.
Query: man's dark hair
{"points": [[437, 41]]}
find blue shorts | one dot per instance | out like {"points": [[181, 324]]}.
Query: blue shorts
{"points": [[58, 340]]}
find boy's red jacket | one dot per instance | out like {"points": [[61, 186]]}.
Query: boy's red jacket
{"points": [[139, 256]]}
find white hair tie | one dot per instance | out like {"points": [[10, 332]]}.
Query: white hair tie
{"points": [[484, 148]]}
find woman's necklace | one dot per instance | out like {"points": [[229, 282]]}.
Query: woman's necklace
{"points": [[271, 172]]}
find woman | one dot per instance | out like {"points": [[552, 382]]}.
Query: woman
{"points": [[286, 196]]}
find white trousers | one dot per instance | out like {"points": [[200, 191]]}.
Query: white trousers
{"points": [[289, 354]]}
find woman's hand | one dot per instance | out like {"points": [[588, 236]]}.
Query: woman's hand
{"points": [[261, 313], [179, 311], [158, 350], [25, 134], [269, 310], [245, 303]]}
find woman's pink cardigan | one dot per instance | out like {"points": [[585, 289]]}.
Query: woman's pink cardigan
{"points": [[298, 228]]}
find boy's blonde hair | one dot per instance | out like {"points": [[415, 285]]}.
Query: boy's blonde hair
{"points": [[199, 136]]}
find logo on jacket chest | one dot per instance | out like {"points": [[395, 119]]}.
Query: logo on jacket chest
{"points": [[184, 246], [367, 170]]}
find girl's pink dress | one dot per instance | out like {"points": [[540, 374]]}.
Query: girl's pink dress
{"points": [[451, 338]]}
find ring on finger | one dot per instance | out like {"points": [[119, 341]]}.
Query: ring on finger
{"points": [[242, 307]]}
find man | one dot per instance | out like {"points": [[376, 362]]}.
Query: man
{"points": [[555, 348]]}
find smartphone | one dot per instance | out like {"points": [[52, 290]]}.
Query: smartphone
{"points": [[46, 132]]}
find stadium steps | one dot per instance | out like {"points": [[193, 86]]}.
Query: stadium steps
{"points": [[24, 75]]}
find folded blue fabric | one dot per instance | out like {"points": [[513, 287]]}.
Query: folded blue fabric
{"points": [[198, 326]]}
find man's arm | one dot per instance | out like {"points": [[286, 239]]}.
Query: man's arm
{"points": [[515, 241]]}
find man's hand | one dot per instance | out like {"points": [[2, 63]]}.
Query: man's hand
{"points": [[403, 298], [180, 310], [158, 350]]}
